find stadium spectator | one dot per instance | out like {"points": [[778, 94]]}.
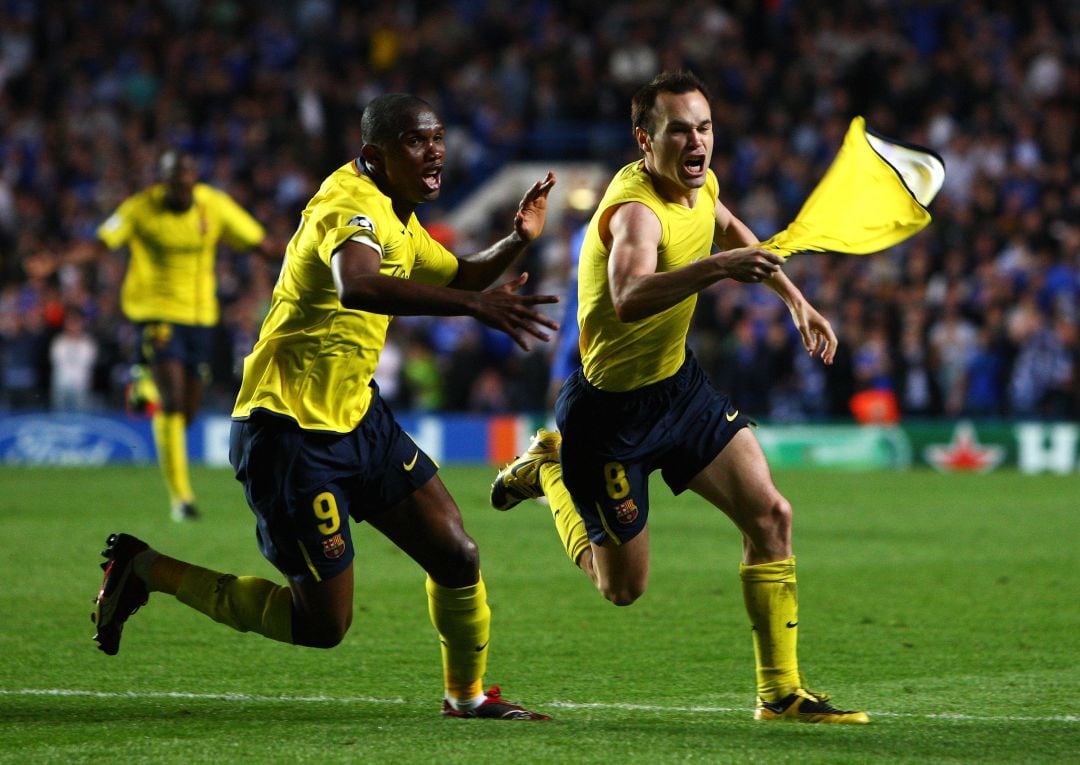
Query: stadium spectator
{"points": [[952, 340], [72, 354], [565, 353], [24, 361], [421, 377], [918, 394], [389, 371], [312, 441], [995, 89], [1043, 380]]}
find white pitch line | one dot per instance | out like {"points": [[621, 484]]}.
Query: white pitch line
{"points": [[744, 710], [244, 697], [196, 696]]}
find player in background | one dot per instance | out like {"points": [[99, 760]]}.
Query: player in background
{"points": [[172, 230], [566, 355], [312, 441], [641, 403]]}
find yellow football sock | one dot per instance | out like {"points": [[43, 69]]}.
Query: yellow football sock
{"points": [[170, 437], [772, 602], [245, 603], [145, 386], [568, 523], [463, 620]]}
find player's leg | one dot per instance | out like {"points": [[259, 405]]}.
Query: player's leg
{"points": [[163, 348], [302, 511], [427, 526], [310, 612], [611, 501], [170, 436], [618, 569], [307, 613], [599, 525], [169, 377], [621, 571], [194, 387], [603, 478], [141, 395], [738, 481], [536, 473]]}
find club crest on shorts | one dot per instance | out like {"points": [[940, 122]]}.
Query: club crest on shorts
{"points": [[626, 512], [333, 547]]}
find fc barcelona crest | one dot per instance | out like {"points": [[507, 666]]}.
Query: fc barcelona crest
{"points": [[626, 512], [333, 547]]}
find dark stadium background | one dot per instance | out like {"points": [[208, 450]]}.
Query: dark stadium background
{"points": [[974, 318]]}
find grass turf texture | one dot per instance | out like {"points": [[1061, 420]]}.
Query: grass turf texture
{"points": [[944, 605]]}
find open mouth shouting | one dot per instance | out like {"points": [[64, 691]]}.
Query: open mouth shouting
{"points": [[694, 165], [432, 179]]}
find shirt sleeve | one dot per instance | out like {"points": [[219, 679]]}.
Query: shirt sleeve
{"points": [[240, 230], [358, 228], [434, 263], [115, 231]]}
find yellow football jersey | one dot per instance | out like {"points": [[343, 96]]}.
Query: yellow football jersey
{"points": [[170, 272], [314, 357], [873, 196], [621, 356]]}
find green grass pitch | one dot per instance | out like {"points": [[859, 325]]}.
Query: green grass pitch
{"points": [[946, 606]]}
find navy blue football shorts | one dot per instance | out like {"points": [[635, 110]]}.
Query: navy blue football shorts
{"points": [[192, 346], [612, 442], [303, 486]]}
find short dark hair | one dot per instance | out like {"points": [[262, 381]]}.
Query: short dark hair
{"points": [[677, 82], [384, 115], [172, 160]]}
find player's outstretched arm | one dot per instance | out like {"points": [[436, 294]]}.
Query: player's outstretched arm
{"points": [[479, 271], [532, 210], [752, 264], [503, 309], [816, 331], [360, 286], [638, 290]]}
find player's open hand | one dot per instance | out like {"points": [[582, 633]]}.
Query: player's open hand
{"points": [[502, 308], [816, 331], [531, 213]]}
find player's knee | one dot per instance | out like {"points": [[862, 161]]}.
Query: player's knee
{"points": [[773, 534], [325, 637], [326, 640], [324, 633], [458, 564], [778, 517], [622, 595]]}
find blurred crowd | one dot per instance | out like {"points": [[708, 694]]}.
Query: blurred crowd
{"points": [[977, 316]]}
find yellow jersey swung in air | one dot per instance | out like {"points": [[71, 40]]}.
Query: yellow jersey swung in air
{"points": [[170, 272], [873, 196], [622, 356], [314, 358]]}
